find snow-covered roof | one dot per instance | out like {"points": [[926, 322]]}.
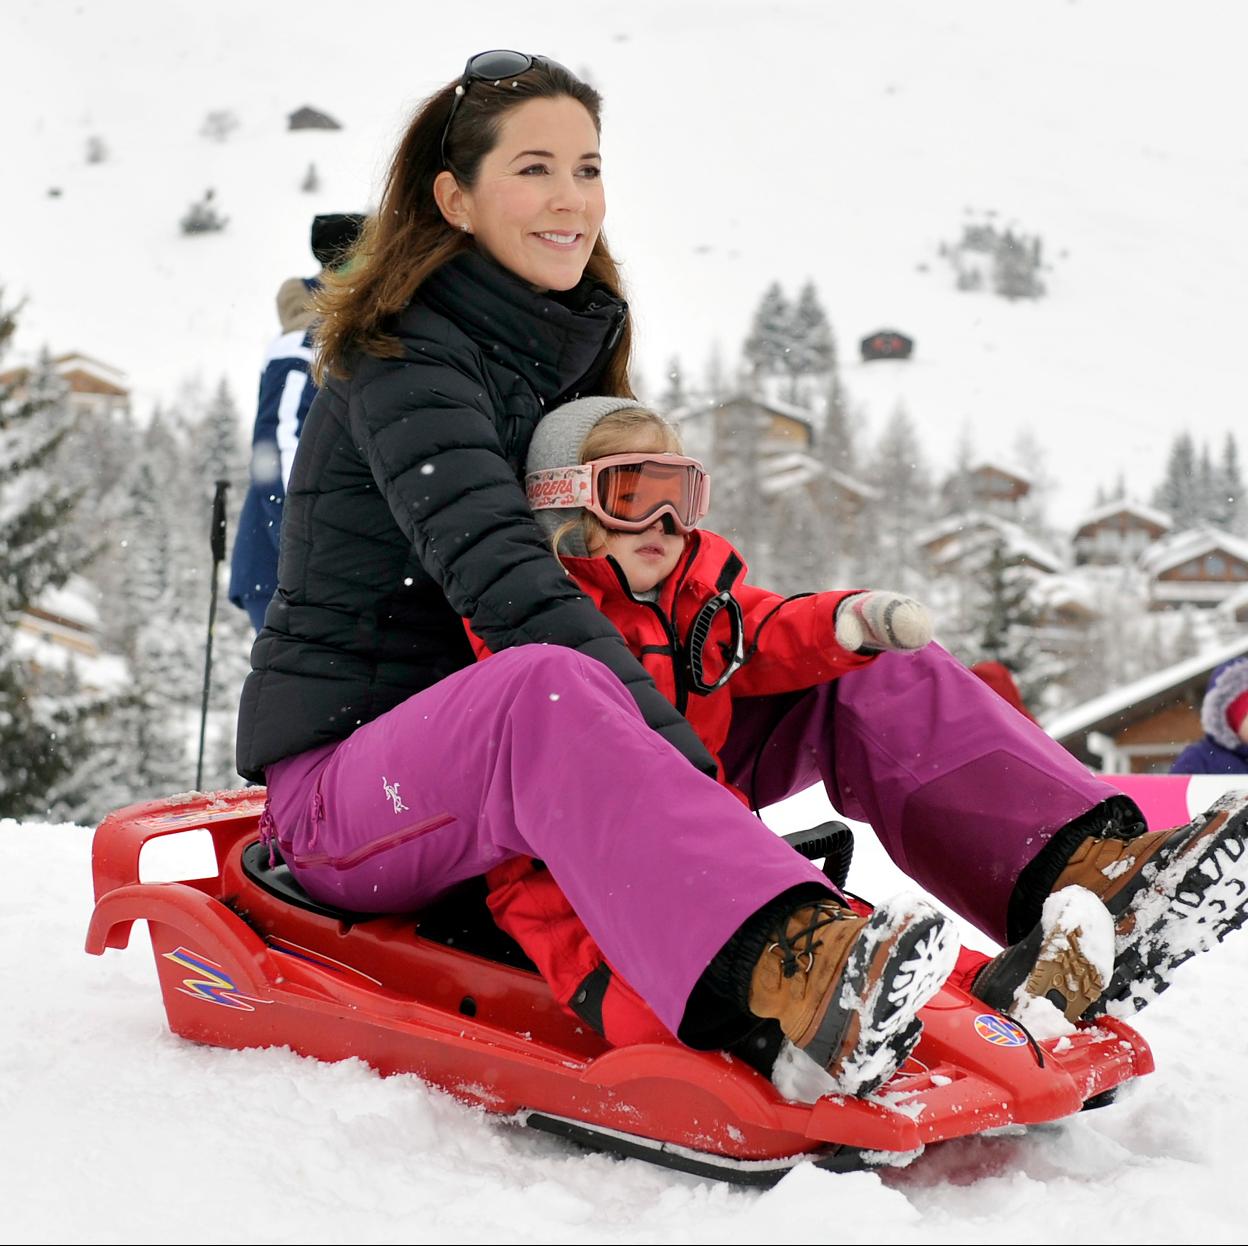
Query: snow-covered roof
{"points": [[1125, 506], [792, 469], [1192, 543], [997, 465], [73, 602], [1056, 591], [1108, 705], [104, 672], [694, 409], [1016, 538], [77, 360]]}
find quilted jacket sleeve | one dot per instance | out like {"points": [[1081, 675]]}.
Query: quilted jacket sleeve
{"points": [[433, 449]]}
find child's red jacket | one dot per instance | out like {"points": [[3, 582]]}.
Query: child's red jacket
{"points": [[787, 644]]}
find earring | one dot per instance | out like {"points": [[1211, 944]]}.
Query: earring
{"points": [[464, 226]]}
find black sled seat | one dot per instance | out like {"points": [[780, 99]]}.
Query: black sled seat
{"points": [[459, 919]]}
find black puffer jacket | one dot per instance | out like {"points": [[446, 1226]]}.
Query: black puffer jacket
{"points": [[405, 511]]}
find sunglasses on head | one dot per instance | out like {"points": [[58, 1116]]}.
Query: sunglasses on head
{"points": [[490, 66], [627, 492]]}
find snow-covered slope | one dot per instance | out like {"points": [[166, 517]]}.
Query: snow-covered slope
{"points": [[115, 1131], [744, 142]]}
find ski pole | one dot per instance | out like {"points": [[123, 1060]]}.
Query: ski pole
{"points": [[218, 557]]}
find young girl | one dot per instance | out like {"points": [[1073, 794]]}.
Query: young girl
{"points": [[608, 483]]}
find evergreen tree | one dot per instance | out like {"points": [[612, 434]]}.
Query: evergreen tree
{"points": [[674, 394], [1008, 617], [1177, 494], [957, 494], [838, 504], [902, 481], [218, 442], [717, 380], [737, 505], [1231, 505], [40, 720], [812, 354], [767, 347]]}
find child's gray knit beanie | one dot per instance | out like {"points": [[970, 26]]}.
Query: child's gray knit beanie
{"points": [[557, 442]]}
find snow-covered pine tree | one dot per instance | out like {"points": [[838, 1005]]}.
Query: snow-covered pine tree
{"points": [[902, 505], [1231, 506], [957, 492], [1177, 494], [812, 354], [766, 349], [717, 380], [674, 394], [1007, 628], [41, 736], [737, 504], [219, 456], [841, 507], [151, 737]]}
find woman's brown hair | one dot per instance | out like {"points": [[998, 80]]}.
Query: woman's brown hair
{"points": [[408, 238]]}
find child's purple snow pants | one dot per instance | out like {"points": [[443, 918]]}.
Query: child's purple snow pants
{"points": [[541, 751]]}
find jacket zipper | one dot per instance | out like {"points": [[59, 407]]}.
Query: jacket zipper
{"points": [[669, 630]]}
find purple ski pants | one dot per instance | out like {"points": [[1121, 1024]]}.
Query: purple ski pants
{"points": [[541, 751]]}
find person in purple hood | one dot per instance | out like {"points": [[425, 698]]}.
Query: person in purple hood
{"points": [[1223, 749]]}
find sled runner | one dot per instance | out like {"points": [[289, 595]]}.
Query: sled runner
{"points": [[246, 959]]}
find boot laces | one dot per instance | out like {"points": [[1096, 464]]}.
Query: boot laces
{"points": [[794, 957]]}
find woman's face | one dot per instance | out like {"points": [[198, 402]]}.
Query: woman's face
{"points": [[538, 203]]}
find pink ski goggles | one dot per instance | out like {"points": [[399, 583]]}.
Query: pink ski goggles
{"points": [[627, 491]]}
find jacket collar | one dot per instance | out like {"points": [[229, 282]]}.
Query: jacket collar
{"points": [[700, 567], [557, 342]]}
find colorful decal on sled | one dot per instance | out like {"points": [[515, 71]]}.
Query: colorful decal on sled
{"points": [[211, 985], [999, 1031]]}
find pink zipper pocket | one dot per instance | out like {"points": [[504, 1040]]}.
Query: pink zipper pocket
{"points": [[375, 846]]}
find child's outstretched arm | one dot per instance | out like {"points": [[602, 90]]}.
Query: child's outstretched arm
{"points": [[799, 642]]}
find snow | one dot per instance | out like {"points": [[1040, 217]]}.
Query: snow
{"points": [[117, 1131], [837, 142]]}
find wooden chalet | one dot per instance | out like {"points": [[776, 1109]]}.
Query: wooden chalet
{"points": [[95, 388], [62, 629], [961, 541], [1199, 567], [1118, 532], [886, 344], [1142, 728]]}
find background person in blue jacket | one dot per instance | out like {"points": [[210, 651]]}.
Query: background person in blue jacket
{"points": [[1223, 749], [286, 393]]}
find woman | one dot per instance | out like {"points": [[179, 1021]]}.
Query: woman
{"points": [[481, 294]]}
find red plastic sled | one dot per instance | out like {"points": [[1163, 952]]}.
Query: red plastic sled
{"points": [[245, 960]]}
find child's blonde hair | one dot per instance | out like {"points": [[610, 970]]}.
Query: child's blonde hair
{"points": [[631, 430]]}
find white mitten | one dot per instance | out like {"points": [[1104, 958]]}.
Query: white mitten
{"points": [[882, 620]]}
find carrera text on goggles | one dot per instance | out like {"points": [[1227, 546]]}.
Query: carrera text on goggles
{"points": [[627, 492]]}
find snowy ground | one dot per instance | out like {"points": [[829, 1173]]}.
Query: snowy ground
{"points": [[115, 1131]]}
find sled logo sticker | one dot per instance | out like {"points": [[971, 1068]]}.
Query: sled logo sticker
{"points": [[210, 984], [999, 1031]]}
